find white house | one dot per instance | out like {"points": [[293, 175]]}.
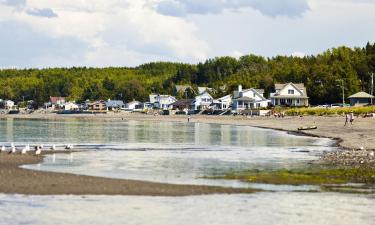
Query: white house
{"points": [[290, 94], [162, 101], [224, 102], [134, 105], [249, 99], [9, 104], [202, 101], [70, 106]]}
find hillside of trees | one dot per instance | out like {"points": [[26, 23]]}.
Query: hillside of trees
{"points": [[319, 73]]}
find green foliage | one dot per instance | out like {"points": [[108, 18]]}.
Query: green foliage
{"points": [[319, 73], [328, 111]]}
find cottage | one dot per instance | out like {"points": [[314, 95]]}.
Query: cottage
{"points": [[162, 101], [183, 105], [97, 106], [361, 98], [133, 105], [223, 103], [290, 94], [249, 99], [56, 102], [203, 101], [114, 105], [9, 104], [70, 106]]}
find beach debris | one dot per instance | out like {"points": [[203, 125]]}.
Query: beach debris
{"points": [[13, 149], [25, 149], [38, 150], [69, 147]]}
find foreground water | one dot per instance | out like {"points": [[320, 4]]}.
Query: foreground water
{"points": [[258, 209], [176, 153]]}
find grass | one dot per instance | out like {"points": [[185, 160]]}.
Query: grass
{"points": [[310, 176], [329, 111]]}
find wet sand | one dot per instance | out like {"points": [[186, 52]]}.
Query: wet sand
{"points": [[15, 180]]}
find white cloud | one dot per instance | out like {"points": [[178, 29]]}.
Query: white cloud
{"points": [[120, 28]]}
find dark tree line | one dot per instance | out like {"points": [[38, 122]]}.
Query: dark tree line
{"points": [[320, 74]]}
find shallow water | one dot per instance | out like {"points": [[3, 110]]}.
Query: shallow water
{"points": [[258, 209], [181, 153]]}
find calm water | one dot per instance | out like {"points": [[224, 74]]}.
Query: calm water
{"points": [[175, 153]]}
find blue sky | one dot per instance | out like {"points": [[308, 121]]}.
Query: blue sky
{"points": [[45, 33]]}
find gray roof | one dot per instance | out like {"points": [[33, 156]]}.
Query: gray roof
{"points": [[361, 95]]}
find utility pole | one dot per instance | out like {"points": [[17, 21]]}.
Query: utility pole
{"points": [[372, 87], [343, 90]]}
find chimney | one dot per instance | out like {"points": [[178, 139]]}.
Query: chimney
{"points": [[240, 88]]}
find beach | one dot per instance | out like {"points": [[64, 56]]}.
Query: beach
{"points": [[360, 135], [15, 180]]}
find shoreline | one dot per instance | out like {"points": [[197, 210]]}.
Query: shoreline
{"points": [[16, 180], [22, 181]]}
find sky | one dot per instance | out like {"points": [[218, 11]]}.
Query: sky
{"points": [[102, 33]]}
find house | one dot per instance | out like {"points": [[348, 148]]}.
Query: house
{"points": [[183, 105], [203, 101], [290, 94], [114, 105], [97, 106], [223, 103], [361, 98], [56, 102], [9, 104], [162, 101], [249, 99], [133, 105], [70, 106]]}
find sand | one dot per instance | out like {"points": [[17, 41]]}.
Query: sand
{"points": [[15, 180]]}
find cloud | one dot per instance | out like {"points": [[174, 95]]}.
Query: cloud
{"points": [[273, 8], [48, 13]]}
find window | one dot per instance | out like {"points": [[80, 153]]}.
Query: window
{"points": [[291, 92]]}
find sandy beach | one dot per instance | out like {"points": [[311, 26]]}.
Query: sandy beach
{"points": [[21, 181], [15, 180]]}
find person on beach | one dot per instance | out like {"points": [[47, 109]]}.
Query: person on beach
{"points": [[188, 118], [351, 117], [346, 119]]}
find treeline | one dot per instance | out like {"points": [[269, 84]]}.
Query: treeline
{"points": [[319, 73]]}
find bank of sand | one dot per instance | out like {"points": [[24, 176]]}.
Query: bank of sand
{"points": [[17, 180]]}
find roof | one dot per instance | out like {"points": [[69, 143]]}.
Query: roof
{"points": [[297, 85], [290, 97], [183, 102], [114, 103], [361, 94], [245, 99], [54, 100]]}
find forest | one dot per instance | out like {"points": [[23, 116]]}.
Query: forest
{"points": [[320, 74]]}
